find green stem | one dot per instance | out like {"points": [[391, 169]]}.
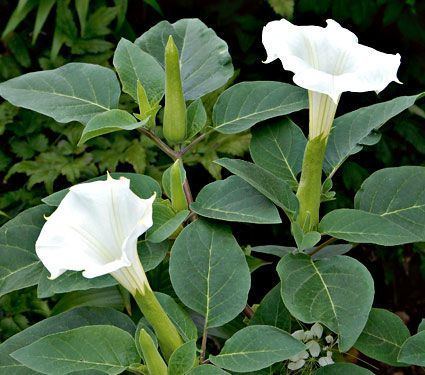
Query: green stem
{"points": [[310, 187], [167, 334]]}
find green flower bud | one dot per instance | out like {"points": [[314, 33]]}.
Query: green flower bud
{"points": [[175, 106], [177, 177], [153, 359]]}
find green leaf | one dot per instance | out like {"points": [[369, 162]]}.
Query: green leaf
{"points": [[109, 122], [152, 254], [233, 199], [70, 281], [43, 11], [413, 350], [178, 316], [277, 190], [343, 369], [78, 317], [330, 251], [279, 148], [402, 201], [196, 118], [247, 103], [355, 129], [325, 291], [141, 185], [276, 250], [66, 352], [207, 370], [20, 266], [363, 227], [183, 359], [203, 70], [202, 280], [272, 311], [132, 65], [166, 222], [256, 347], [383, 337], [73, 92], [18, 15]]}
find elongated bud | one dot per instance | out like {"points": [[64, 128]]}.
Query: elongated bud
{"points": [[153, 359], [175, 106], [177, 177]]}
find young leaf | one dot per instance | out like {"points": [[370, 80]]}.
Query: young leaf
{"points": [[203, 70], [73, 92], [360, 125], [256, 347], [217, 290], [18, 15], [43, 11], [245, 104], [82, 7], [70, 351], [132, 65], [196, 118], [277, 190], [78, 317], [413, 350], [383, 337], [183, 359], [272, 311], [108, 122], [312, 293], [233, 199], [279, 148]]}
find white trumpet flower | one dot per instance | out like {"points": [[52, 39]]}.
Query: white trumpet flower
{"points": [[327, 62], [95, 230]]}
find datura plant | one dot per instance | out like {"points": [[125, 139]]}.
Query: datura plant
{"points": [[164, 283]]}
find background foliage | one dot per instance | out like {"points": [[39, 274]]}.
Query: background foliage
{"points": [[39, 156]]}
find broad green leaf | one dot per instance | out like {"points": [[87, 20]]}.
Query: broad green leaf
{"points": [[183, 359], [233, 199], [247, 103], [132, 65], [277, 190], [209, 272], [203, 70], [73, 92], [43, 11], [272, 311], [108, 122], [337, 292], [19, 265], [383, 337], [256, 347], [343, 369], [105, 297], [152, 254], [141, 185], [81, 316], [66, 352], [402, 201], [68, 282], [196, 118], [279, 148], [207, 370], [355, 129], [363, 227], [18, 15], [413, 350], [178, 316], [165, 222]]}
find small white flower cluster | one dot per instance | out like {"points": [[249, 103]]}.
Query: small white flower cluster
{"points": [[312, 339]]}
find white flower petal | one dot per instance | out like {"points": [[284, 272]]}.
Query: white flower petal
{"points": [[299, 335], [328, 60], [95, 230], [317, 330], [329, 339], [325, 361], [296, 365], [314, 348], [301, 355]]}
